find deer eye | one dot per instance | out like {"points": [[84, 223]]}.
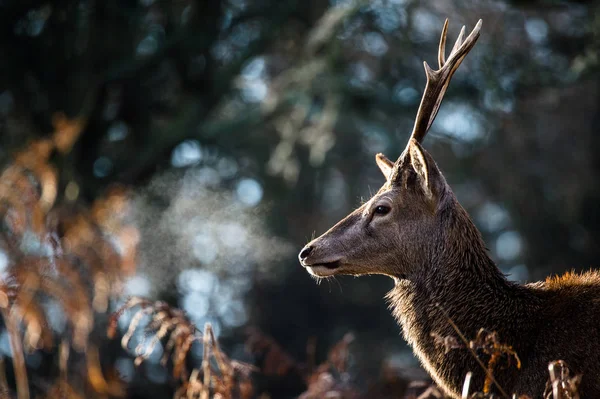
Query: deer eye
{"points": [[382, 210]]}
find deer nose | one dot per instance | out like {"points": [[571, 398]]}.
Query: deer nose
{"points": [[305, 252]]}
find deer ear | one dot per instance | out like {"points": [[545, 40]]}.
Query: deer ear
{"points": [[384, 164], [420, 164]]}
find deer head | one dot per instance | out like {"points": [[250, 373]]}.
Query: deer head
{"points": [[394, 232]]}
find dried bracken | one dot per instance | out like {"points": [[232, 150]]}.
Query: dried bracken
{"points": [[561, 385], [218, 376], [487, 343], [66, 131], [327, 380], [275, 360], [330, 379], [60, 257], [75, 258], [167, 322]]}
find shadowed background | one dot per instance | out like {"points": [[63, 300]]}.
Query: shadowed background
{"points": [[246, 127]]}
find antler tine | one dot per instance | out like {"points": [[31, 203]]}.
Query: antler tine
{"points": [[459, 41], [442, 48], [438, 81]]}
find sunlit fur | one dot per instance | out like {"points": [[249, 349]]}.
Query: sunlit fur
{"points": [[440, 264]]}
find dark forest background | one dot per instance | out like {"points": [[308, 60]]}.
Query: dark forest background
{"points": [[242, 128]]}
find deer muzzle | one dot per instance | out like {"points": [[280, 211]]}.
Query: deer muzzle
{"points": [[315, 263]]}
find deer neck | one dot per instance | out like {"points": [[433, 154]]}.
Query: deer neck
{"points": [[457, 281]]}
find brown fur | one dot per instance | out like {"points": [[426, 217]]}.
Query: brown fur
{"points": [[415, 231], [441, 266], [591, 277]]}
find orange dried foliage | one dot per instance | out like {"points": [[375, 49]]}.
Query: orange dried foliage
{"points": [[32, 164], [71, 257], [66, 131], [326, 380], [167, 322], [487, 342], [329, 379], [277, 362], [110, 386], [78, 257], [62, 390], [229, 379], [560, 385]]}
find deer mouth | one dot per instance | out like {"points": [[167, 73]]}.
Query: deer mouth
{"points": [[329, 265], [323, 269]]}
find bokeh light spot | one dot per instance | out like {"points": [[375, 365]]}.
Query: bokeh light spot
{"points": [[249, 192]]}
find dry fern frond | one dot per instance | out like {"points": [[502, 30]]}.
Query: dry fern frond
{"points": [[166, 323], [66, 131], [276, 361], [325, 381], [61, 256], [218, 376], [488, 343], [561, 385]]}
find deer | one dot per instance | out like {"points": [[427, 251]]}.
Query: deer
{"points": [[445, 282]]}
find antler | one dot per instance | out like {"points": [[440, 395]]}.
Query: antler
{"points": [[438, 81]]}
